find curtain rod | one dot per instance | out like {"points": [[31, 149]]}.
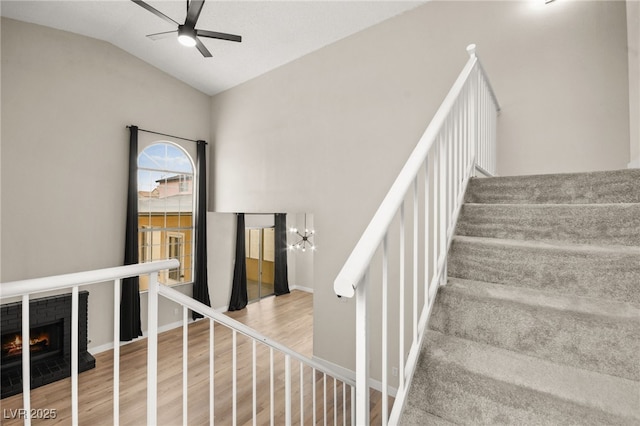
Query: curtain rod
{"points": [[171, 136]]}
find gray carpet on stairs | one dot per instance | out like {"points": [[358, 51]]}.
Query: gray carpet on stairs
{"points": [[539, 322]]}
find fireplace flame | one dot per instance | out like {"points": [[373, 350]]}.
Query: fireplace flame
{"points": [[36, 343]]}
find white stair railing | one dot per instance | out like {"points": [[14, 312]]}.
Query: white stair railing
{"points": [[25, 288], [321, 406], [327, 405], [460, 140]]}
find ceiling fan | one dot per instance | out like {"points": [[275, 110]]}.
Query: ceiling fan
{"points": [[187, 33]]}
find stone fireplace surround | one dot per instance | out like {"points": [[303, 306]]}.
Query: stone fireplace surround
{"points": [[57, 365]]}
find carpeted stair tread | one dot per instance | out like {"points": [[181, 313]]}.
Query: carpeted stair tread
{"points": [[613, 223], [609, 272], [595, 334], [539, 322], [473, 383], [617, 186]]}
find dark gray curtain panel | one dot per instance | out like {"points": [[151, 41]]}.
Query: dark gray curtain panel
{"points": [[281, 280], [130, 324], [239, 297], [200, 281]]}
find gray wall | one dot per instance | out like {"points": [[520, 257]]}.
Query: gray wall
{"points": [[66, 100], [329, 132]]}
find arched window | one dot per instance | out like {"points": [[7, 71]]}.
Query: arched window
{"points": [[166, 200]]}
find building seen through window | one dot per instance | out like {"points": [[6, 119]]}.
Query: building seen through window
{"points": [[165, 210]]}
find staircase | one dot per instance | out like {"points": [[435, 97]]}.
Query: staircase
{"points": [[539, 322]]}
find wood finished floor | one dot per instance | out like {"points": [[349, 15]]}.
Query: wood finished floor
{"points": [[287, 319]]}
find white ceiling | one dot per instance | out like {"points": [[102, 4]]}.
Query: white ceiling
{"points": [[273, 32]]}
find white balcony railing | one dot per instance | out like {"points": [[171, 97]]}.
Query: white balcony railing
{"points": [[325, 408], [26, 288], [460, 140]]}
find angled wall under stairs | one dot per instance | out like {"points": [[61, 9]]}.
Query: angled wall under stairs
{"points": [[539, 322]]}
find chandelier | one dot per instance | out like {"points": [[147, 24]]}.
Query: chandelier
{"points": [[304, 238]]}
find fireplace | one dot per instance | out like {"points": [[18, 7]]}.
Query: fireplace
{"points": [[49, 341]]}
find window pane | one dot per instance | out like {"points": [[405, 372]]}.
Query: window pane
{"points": [[254, 244], [269, 244], [165, 209]]}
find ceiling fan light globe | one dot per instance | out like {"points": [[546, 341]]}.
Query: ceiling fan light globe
{"points": [[186, 40]]}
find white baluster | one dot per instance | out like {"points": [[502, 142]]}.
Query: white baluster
{"points": [[26, 362], [287, 389], [385, 282], [185, 365], [426, 238], [74, 354], [271, 391], [335, 406], [324, 405], [116, 352], [401, 321], [313, 395], [353, 406], [344, 404], [301, 394], [212, 371], [234, 374], [255, 383], [152, 351], [415, 260], [362, 352]]}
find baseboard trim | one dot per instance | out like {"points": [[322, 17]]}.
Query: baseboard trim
{"points": [[634, 164], [162, 329], [301, 288]]}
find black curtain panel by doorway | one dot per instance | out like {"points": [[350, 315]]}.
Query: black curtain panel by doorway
{"points": [[239, 297], [281, 280]]}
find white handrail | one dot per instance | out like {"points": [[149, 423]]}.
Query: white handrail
{"points": [[209, 312], [360, 258], [61, 282], [460, 139]]}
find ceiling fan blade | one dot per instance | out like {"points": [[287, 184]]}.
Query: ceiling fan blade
{"points": [[221, 36], [193, 12], [202, 48], [155, 11], [159, 36]]}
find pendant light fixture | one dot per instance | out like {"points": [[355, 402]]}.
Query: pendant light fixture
{"points": [[304, 238]]}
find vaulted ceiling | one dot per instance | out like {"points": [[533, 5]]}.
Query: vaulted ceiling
{"points": [[273, 32]]}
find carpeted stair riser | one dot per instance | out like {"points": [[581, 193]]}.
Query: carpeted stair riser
{"points": [[620, 186], [419, 417], [449, 382], [607, 272], [605, 224], [472, 399], [596, 335]]}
